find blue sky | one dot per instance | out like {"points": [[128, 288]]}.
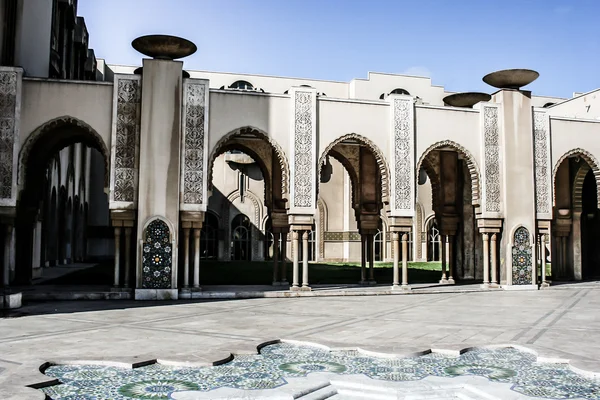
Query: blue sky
{"points": [[455, 42]]}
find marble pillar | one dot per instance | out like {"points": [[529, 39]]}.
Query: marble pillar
{"points": [[494, 259], [305, 261], [295, 256], [117, 256], [486, 260], [8, 232], [371, 254], [395, 243], [283, 261], [444, 247], [363, 258], [576, 246], [127, 257], [196, 258], [451, 259], [543, 259], [276, 258], [405, 260], [186, 257]]}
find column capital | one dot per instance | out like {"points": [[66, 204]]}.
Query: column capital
{"points": [[485, 236]]}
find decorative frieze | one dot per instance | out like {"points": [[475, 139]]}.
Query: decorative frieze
{"points": [[341, 236], [402, 154], [491, 160], [194, 152], [303, 149], [542, 165], [10, 109], [125, 147]]}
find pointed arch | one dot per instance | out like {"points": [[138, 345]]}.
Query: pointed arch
{"points": [[381, 160], [469, 160], [593, 164]]}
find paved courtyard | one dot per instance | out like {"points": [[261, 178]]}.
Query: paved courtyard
{"points": [[560, 322]]}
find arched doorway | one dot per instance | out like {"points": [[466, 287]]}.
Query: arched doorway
{"points": [[209, 237], [452, 233], [576, 223], [53, 153], [241, 238]]}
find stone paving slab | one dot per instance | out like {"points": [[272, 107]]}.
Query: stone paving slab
{"points": [[560, 322]]}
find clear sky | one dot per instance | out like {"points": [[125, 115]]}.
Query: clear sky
{"points": [[455, 42]]}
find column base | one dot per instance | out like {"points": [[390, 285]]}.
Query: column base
{"points": [[10, 301], [406, 288], [295, 288], [520, 287], [305, 289], [443, 281], [544, 285], [451, 281], [494, 285], [156, 294], [484, 286]]}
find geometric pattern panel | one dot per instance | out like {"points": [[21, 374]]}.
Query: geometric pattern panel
{"points": [[9, 81], [341, 236], [194, 150], [157, 256], [126, 139], [403, 156], [521, 258], [281, 361], [542, 165], [303, 150], [491, 143]]}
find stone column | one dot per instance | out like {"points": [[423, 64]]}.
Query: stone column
{"points": [[305, 261], [486, 260], [283, 253], [395, 243], [494, 259], [117, 255], [295, 260], [563, 257], [450, 254], [543, 259], [363, 258], [576, 245], [196, 258], [443, 257], [7, 253], [404, 260], [371, 254], [186, 257], [275, 258], [127, 256]]}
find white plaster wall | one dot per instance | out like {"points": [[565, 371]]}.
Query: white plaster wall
{"points": [[231, 111], [33, 33], [586, 106], [378, 83], [339, 118], [43, 101], [540, 101], [568, 135], [438, 124]]}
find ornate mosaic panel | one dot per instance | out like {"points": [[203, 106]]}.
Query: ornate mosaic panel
{"points": [[491, 141], [126, 139], [403, 155], [521, 258], [341, 236], [194, 145], [277, 362], [303, 150], [157, 256], [541, 143], [8, 130]]}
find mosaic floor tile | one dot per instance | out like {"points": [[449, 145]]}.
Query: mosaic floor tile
{"points": [[279, 361]]}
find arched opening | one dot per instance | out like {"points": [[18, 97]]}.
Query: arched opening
{"points": [[353, 175], [51, 223], [241, 238], [452, 183], [576, 222], [209, 237]]}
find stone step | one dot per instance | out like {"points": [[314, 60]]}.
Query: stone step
{"points": [[321, 392]]}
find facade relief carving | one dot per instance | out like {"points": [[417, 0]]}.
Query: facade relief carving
{"points": [[403, 150], [303, 150], [491, 159], [542, 165]]}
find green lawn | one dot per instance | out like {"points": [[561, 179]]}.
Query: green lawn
{"points": [[261, 273]]}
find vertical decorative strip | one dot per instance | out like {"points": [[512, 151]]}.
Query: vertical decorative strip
{"points": [[125, 146], [403, 148], [303, 148], [521, 257], [491, 160], [542, 165], [194, 153], [10, 110]]}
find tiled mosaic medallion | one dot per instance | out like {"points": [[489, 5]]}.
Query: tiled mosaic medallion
{"points": [[279, 361], [156, 257], [521, 258]]}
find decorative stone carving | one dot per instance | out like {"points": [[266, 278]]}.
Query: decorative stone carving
{"points": [[403, 156], [194, 153], [589, 158], [382, 163], [10, 109], [491, 157], [303, 147], [157, 256], [125, 141], [322, 226], [542, 165], [418, 232], [521, 258]]}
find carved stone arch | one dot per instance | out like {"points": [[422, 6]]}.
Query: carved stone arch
{"points": [[577, 191], [226, 142], [64, 130], [381, 161], [469, 160], [589, 159]]}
